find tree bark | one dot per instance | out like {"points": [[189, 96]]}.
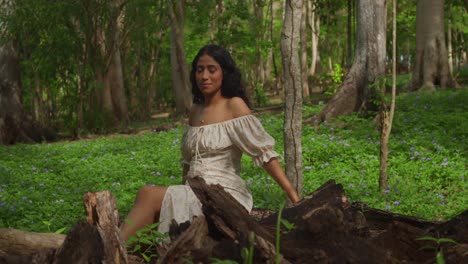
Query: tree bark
{"points": [[180, 72], [259, 32], [293, 92], [449, 40], [387, 117], [431, 60], [355, 93], [349, 34], [304, 68], [314, 24]]}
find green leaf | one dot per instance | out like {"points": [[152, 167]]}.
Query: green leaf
{"points": [[289, 226], [427, 238], [440, 258], [447, 240], [61, 230], [146, 241]]}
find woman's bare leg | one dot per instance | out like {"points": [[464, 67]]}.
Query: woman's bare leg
{"points": [[145, 211]]}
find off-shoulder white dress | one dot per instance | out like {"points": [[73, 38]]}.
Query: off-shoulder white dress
{"points": [[214, 153]]}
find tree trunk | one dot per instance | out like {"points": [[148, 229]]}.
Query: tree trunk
{"points": [[314, 24], [180, 72], [304, 68], [18, 242], [293, 92], [111, 100], [449, 40], [387, 117], [431, 61], [349, 35], [355, 93], [259, 76], [15, 124]]}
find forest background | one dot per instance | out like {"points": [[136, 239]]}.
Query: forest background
{"points": [[98, 67]]}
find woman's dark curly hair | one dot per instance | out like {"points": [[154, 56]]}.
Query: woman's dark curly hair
{"points": [[232, 80]]}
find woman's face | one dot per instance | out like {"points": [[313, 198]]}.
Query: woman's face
{"points": [[209, 75]]}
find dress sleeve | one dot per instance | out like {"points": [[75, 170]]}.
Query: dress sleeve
{"points": [[248, 134]]}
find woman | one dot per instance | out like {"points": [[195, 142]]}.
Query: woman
{"points": [[221, 128]]}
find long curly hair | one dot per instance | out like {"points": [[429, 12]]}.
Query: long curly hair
{"points": [[232, 80]]}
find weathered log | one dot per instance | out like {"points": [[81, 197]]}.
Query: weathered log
{"points": [[98, 240], [18, 242], [229, 219], [194, 243], [328, 229]]}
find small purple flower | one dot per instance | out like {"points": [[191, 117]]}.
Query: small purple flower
{"points": [[351, 185], [445, 162], [2, 204], [388, 208], [396, 202], [443, 202], [386, 191]]}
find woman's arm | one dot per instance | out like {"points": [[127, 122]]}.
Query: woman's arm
{"points": [[185, 169], [274, 169]]}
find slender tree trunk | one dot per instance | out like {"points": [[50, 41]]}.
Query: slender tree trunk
{"points": [[387, 117], [431, 61], [314, 22], [349, 35], [259, 75], [355, 93], [269, 58], [449, 40], [304, 68], [180, 72], [293, 88]]}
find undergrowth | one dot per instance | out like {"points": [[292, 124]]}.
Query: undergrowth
{"points": [[41, 185]]}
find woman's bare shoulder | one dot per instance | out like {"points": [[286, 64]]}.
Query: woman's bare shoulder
{"points": [[194, 111], [238, 107]]}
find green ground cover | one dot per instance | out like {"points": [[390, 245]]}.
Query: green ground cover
{"points": [[41, 185]]}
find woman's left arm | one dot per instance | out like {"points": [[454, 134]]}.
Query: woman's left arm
{"points": [[276, 172]]}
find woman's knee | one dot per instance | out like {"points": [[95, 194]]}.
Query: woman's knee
{"points": [[151, 193]]}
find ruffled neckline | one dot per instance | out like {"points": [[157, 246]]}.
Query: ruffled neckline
{"points": [[224, 122]]}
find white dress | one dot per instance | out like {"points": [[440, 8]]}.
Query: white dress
{"points": [[214, 153]]}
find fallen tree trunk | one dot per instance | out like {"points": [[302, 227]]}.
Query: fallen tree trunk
{"points": [[327, 229], [18, 242]]}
